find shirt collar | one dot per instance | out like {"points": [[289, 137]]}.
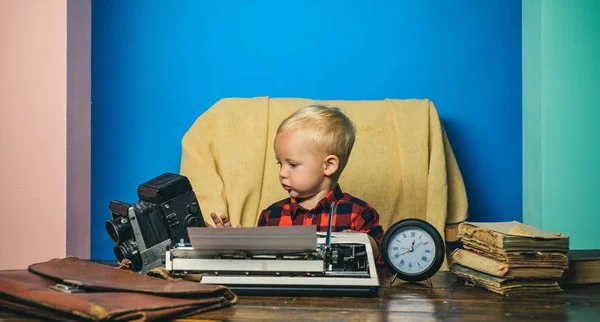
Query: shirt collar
{"points": [[324, 204]]}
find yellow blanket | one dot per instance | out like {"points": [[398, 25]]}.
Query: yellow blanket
{"points": [[402, 162]]}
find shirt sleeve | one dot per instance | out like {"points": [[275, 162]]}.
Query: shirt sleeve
{"points": [[262, 219], [368, 222]]}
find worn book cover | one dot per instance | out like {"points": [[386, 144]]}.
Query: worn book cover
{"points": [[506, 286], [520, 257], [511, 237], [534, 268]]}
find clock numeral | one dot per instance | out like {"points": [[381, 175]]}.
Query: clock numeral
{"points": [[409, 265], [424, 258], [420, 236], [402, 263], [396, 255], [404, 235], [419, 264], [428, 251], [412, 234], [426, 243]]}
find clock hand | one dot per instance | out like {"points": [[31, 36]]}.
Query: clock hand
{"points": [[408, 251], [417, 245], [411, 248]]}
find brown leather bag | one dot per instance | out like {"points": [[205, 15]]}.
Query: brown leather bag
{"points": [[71, 289]]}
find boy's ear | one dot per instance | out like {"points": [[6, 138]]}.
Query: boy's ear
{"points": [[331, 164]]}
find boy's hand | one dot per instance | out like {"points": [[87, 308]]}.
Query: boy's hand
{"points": [[222, 222]]}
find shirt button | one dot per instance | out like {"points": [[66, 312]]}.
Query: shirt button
{"points": [[309, 215]]}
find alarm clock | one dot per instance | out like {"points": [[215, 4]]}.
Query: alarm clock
{"points": [[413, 250]]}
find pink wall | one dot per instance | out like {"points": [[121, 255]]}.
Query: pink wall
{"points": [[44, 130], [79, 43]]}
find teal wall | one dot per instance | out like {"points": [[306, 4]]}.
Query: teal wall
{"points": [[561, 118]]}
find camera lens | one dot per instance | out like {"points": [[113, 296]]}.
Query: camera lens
{"points": [[118, 229], [129, 250], [126, 250]]}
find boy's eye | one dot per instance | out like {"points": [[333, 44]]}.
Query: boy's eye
{"points": [[279, 163], [293, 165]]}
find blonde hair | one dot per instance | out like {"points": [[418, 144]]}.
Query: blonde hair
{"points": [[333, 132]]}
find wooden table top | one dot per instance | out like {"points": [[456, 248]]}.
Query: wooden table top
{"points": [[448, 300]]}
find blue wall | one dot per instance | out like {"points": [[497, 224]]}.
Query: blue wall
{"points": [[157, 65]]}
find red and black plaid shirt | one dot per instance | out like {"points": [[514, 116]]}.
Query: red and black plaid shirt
{"points": [[350, 213]]}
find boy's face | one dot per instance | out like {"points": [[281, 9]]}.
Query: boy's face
{"points": [[302, 168]]}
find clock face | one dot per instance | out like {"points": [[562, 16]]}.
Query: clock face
{"points": [[413, 249]]}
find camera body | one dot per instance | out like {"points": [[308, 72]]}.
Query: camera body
{"points": [[144, 231]]}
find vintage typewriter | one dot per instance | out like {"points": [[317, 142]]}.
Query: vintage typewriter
{"points": [[295, 260]]}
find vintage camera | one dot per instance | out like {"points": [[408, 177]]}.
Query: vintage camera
{"points": [[143, 231]]}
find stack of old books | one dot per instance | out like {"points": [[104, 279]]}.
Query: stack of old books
{"points": [[510, 258]]}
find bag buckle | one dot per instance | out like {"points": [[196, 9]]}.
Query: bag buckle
{"points": [[66, 287]]}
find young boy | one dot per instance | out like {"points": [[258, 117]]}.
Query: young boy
{"points": [[312, 147]]}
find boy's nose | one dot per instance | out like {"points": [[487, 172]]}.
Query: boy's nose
{"points": [[282, 173]]}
